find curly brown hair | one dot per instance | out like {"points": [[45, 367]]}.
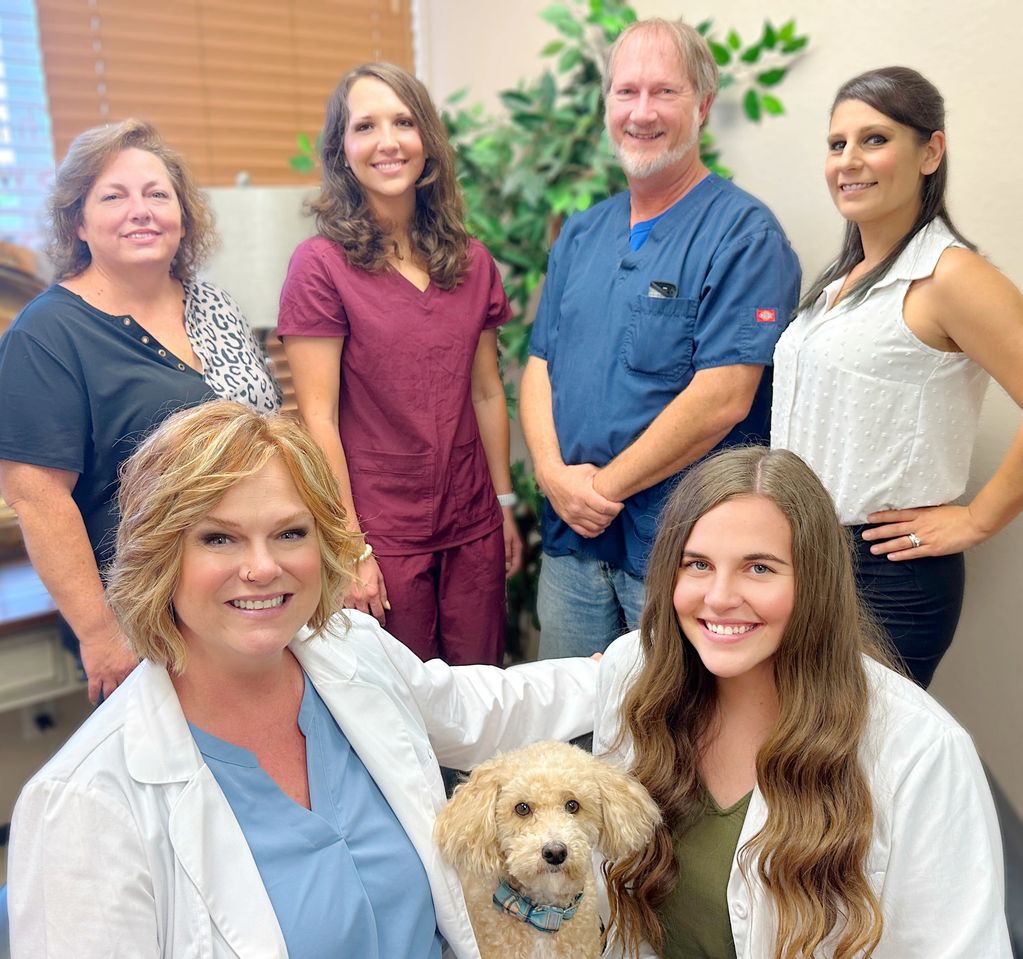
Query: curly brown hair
{"points": [[810, 853], [87, 157], [173, 480], [437, 231]]}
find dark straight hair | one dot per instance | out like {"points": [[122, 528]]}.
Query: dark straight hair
{"points": [[908, 98]]}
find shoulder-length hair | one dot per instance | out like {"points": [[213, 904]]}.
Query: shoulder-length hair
{"points": [[175, 478], [910, 99], [810, 853], [437, 231], [87, 157]]}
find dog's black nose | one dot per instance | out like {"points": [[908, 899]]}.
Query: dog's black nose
{"points": [[555, 853]]}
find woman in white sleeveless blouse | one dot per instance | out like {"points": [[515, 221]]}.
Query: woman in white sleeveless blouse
{"points": [[880, 378]]}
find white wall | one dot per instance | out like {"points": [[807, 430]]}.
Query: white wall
{"points": [[972, 55]]}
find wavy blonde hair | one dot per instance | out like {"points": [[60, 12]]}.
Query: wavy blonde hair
{"points": [[175, 478], [437, 231], [810, 853], [88, 156]]}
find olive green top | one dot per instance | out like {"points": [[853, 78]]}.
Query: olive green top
{"points": [[695, 915]]}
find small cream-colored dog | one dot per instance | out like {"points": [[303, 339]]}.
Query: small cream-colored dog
{"points": [[521, 833]]}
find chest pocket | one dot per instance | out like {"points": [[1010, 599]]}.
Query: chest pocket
{"points": [[659, 337]]}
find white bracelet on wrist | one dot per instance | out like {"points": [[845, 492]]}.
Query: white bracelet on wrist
{"points": [[365, 554], [508, 499]]}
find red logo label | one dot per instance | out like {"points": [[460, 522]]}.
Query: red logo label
{"points": [[766, 316]]}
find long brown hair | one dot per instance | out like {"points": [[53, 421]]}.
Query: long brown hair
{"points": [[910, 99], [810, 853], [87, 157], [437, 231]]}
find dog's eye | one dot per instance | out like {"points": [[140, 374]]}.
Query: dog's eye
{"points": [[572, 807], [522, 809]]}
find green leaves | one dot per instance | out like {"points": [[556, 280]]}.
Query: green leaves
{"points": [[563, 20], [758, 66]]}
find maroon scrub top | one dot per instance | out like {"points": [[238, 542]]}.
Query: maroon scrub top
{"points": [[418, 471]]}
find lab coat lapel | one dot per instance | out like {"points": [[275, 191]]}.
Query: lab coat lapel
{"points": [[203, 832], [379, 733], [211, 848]]}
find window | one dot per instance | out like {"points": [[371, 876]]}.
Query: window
{"points": [[229, 83], [26, 148]]}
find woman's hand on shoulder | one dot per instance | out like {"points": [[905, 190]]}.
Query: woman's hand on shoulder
{"points": [[924, 531], [367, 591]]}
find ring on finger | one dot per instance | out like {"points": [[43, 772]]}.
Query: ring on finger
{"points": [[914, 540]]}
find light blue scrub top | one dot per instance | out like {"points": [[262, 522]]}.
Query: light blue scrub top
{"points": [[343, 878]]}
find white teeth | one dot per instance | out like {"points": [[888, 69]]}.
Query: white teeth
{"points": [[257, 603], [853, 187], [728, 630], [388, 167]]}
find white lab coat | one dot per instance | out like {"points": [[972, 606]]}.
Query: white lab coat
{"points": [[935, 861], [123, 845]]}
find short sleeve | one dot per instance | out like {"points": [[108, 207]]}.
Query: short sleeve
{"points": [[46, 419], [311, 303], [545, 325], [749, 296], [498, 308]]}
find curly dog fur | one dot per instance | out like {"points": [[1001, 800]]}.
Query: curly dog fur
{"points": [[534, 817]]}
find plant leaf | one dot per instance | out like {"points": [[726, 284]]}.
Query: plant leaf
{"points": [[769, 37], [770, 78], [563, 20], [551, 48], [751, 105], [771, 105], [751, 54], [722, 55], [733, 40], [570, 59]]}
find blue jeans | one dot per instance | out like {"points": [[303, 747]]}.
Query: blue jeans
{"points": [[584, 604]]}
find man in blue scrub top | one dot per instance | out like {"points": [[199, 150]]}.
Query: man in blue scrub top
{"points": [[660, 312]]}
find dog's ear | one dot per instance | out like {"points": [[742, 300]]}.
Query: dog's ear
{"points": [[630, 816], [466, 828]]}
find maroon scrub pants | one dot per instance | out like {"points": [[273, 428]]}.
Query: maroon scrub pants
{"points": [[449, 604]]}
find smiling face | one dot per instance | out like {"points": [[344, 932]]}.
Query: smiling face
{"points": [[250, 573], [382, 145], [875, 167], [131, 216], [652, 114], [736, 587]]}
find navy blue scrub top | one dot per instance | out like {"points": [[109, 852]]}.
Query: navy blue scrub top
{"points": [[78, 389], [617, 355]]}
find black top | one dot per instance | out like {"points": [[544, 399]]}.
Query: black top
{"points": [[78, 389]]}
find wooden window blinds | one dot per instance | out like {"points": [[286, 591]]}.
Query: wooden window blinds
{"points": [[229, 83]]}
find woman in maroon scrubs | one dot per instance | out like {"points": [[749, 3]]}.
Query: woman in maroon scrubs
{"points": [[389, 317]]}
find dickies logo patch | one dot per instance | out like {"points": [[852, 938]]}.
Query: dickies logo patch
{"points": [[766, 316]]}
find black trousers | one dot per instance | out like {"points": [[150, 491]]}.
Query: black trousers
{"points": [[917, 601]]}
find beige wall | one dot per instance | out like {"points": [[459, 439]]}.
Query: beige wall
{"points": [[972, 54]]}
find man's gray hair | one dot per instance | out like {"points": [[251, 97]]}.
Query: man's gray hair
{"points": [[693, 53]]}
